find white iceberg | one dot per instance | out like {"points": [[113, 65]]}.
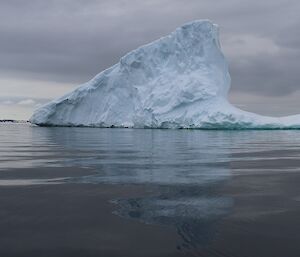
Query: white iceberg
{"points": [[178, 81]]}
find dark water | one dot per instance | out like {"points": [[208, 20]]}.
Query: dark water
{"points": [[123, 192]]}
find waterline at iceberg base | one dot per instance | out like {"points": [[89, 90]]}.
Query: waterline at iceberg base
{"points": [[178, 81]]}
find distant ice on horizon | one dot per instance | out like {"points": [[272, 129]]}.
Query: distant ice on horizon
{"points": [[178, 81]]}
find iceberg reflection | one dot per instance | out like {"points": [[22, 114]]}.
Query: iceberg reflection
{"points": [[194, 214], [184, 171]]}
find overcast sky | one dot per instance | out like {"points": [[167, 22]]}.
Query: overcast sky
{"points": [[48, 47]]}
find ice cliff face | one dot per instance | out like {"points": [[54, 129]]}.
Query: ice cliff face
{"points": [[178, 81]]}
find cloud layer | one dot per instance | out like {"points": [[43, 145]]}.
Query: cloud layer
{"points": [[69, 41]]}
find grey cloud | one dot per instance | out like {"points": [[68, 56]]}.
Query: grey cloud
{"points": [[267, 74], [15, 100]]}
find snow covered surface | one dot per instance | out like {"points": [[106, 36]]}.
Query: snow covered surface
{"points": [[178, 81]]}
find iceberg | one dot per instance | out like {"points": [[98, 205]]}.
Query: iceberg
{"points": [[178, 81]]}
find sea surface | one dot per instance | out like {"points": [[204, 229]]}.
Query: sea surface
{"points": [[81, 192]]}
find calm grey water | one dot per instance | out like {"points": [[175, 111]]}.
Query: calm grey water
{"points": [[225, 193]]}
